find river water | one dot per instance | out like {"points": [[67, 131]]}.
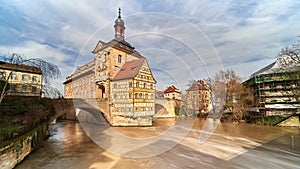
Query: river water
{"points": [[229, 145]]}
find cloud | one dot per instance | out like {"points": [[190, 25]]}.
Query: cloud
{"points": [[31, 49], [201, 37]]}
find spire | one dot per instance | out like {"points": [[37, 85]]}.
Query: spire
{"points": [[119, 13], [119, 27]]}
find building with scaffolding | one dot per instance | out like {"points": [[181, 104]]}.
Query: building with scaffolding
{"points": [[276, 88]]}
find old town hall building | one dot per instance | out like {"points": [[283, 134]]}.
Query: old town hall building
{"points": [[120, 76]]}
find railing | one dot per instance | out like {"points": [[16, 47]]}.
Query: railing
{"points": [[101, 79]]}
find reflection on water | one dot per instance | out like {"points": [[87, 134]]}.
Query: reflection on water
{"points": [[232, 145]]}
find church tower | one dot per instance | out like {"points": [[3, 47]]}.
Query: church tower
{"points": [[119, 27]]}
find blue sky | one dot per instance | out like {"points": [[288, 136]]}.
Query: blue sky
{"points": [[182, 40]]}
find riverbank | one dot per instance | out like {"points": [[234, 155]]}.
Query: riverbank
{"points": [[14, 151]]}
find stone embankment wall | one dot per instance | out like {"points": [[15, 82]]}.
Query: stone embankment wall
{"points": [[293, 121], [16, 150]]}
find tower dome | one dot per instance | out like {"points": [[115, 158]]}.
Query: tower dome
{"points": [[119, 27]]}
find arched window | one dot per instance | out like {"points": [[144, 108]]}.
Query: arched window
{"points": [[120, 58]]}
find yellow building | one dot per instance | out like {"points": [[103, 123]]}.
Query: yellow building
{"points": [[81, 84], [119, 75], [23, 80], [198, 97], [132, 93]]}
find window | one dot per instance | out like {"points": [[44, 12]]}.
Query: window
{"points": [[130, 96], [135, 95], [13, 76], [130, 84], [140, 95], [137, 84], [146, 96], [145, 85], [34, 89], [115, 85], [34, 78], [13, 88], [24, 88], [2, 75], [120, 58], [151, 86], [115, 96], [24, 77]]}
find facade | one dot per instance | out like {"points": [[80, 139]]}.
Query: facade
{"points": [[276, 89], [171, 92], [24, 80], [132, 92], [81, 84], [119, 75], [198, 97]]}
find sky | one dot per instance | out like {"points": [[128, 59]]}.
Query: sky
{"points": [[182, 40]]}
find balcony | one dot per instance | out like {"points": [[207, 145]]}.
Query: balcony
{"points": [[101, 79]]}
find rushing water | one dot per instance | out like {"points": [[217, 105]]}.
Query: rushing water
{"points": [[230, 146]]}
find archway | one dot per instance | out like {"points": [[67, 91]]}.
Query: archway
{"points": [[101, 93]]}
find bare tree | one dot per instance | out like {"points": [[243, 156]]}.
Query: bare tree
{"points": [[293, 53], [236, 97], [49, 71]]}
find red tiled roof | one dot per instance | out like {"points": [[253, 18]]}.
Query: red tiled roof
{"points": [[171, 89], [20, 67], [129, 69]]}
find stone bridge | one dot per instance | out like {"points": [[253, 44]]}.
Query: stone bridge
{"points": [[98, 109], [91, 109], [165, 107]]}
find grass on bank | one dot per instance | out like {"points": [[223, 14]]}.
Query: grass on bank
{"points": [[19, 115]]}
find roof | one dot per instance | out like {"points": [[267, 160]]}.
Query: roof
{"points": [[82, 70], [198, 85], [129, 69], [282, 64], [20, 67], [171, 89], [117, 43]]}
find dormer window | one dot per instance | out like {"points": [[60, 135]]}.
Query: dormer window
{"points": [[133, 68]]}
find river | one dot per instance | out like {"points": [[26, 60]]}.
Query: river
{"points": [[230, 145]]}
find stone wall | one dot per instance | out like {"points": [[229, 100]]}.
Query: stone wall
{"points": [[15, 151], [293, 121]]}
